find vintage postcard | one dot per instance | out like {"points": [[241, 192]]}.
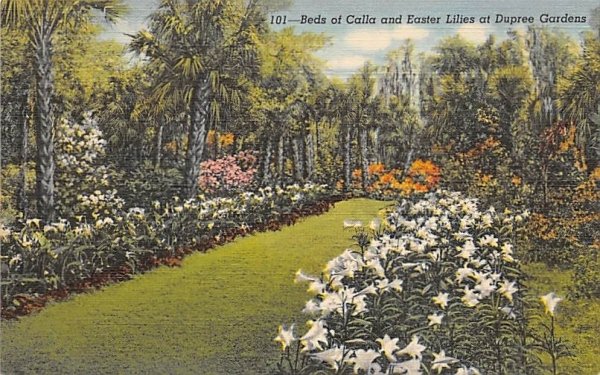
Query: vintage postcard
{"points": [[300, 187]]}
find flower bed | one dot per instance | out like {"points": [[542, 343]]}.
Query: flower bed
{"points": [[46, 261], [436, 290]]}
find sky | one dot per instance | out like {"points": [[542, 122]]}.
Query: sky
{"points": [[352, 43]]}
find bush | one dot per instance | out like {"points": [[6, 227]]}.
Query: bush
{"points": [[586, 274], [228, 175], [115, 241]]}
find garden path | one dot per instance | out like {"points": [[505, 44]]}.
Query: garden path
{"points": [[217, 314]]}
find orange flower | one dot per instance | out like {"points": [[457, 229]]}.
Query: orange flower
{"points": [[516, 180], [376, 168], [226, 139], [211, 137], [486, 178], [387, 178], [426, 172]]}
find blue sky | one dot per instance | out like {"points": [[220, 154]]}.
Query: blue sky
{"points": [[353, 44]]}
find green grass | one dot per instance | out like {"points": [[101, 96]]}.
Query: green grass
{"points": [[578, 320], [217, 314]]}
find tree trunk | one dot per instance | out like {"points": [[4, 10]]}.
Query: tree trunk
{"points": [[297, 155], [347, 159], [45, 126], [22, 203], [197, 136], [364, 157], [408, 160], [318, 150], [159, 139], [266, 165], [280, 159], [310, 155], [377, 145]]}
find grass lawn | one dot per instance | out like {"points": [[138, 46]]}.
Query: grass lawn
{"points": [[578, 320], [217, 314]]}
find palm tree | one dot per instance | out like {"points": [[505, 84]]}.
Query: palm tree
{"points": [[201, 50], [41, 19], [579, 100]]}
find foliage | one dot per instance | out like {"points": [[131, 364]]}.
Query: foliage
{"points": [[228, 175], [37, 258], [438, 288], [79, 153], [586, 273]]}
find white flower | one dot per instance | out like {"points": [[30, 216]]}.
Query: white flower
{"points": [[388, 347], [462, 236], [50, 229], [507, 253], [470, 298], [302, 277], [441, 300], [32, 222], [332, 357], [412, 367], [467, 250], [550, 301], [382, 284], [363, 359], [311, 308], [485, 287], [360, 305], [440, 361], [352, 223], [285, 336], [463, 273], [488, 240], [61, 226], [508, 310], [316, 335], [507, 289], [486, 220], [467, 371], [435, 319], [413, 349], [316, 287], [375, 224], [396, 285]]}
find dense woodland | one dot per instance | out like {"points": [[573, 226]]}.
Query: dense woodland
{"points": [[210, 102]]}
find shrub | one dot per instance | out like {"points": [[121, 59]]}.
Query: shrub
{"points": [[228, 175], [586, 274], [37, 258]]}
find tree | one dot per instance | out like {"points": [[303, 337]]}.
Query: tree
{"points": [[41, 20], [281, 101], [400, 87], [361, 89], [201, 51], [579, 100]]}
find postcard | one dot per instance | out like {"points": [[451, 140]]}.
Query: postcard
{"points": [[300, 187]]}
